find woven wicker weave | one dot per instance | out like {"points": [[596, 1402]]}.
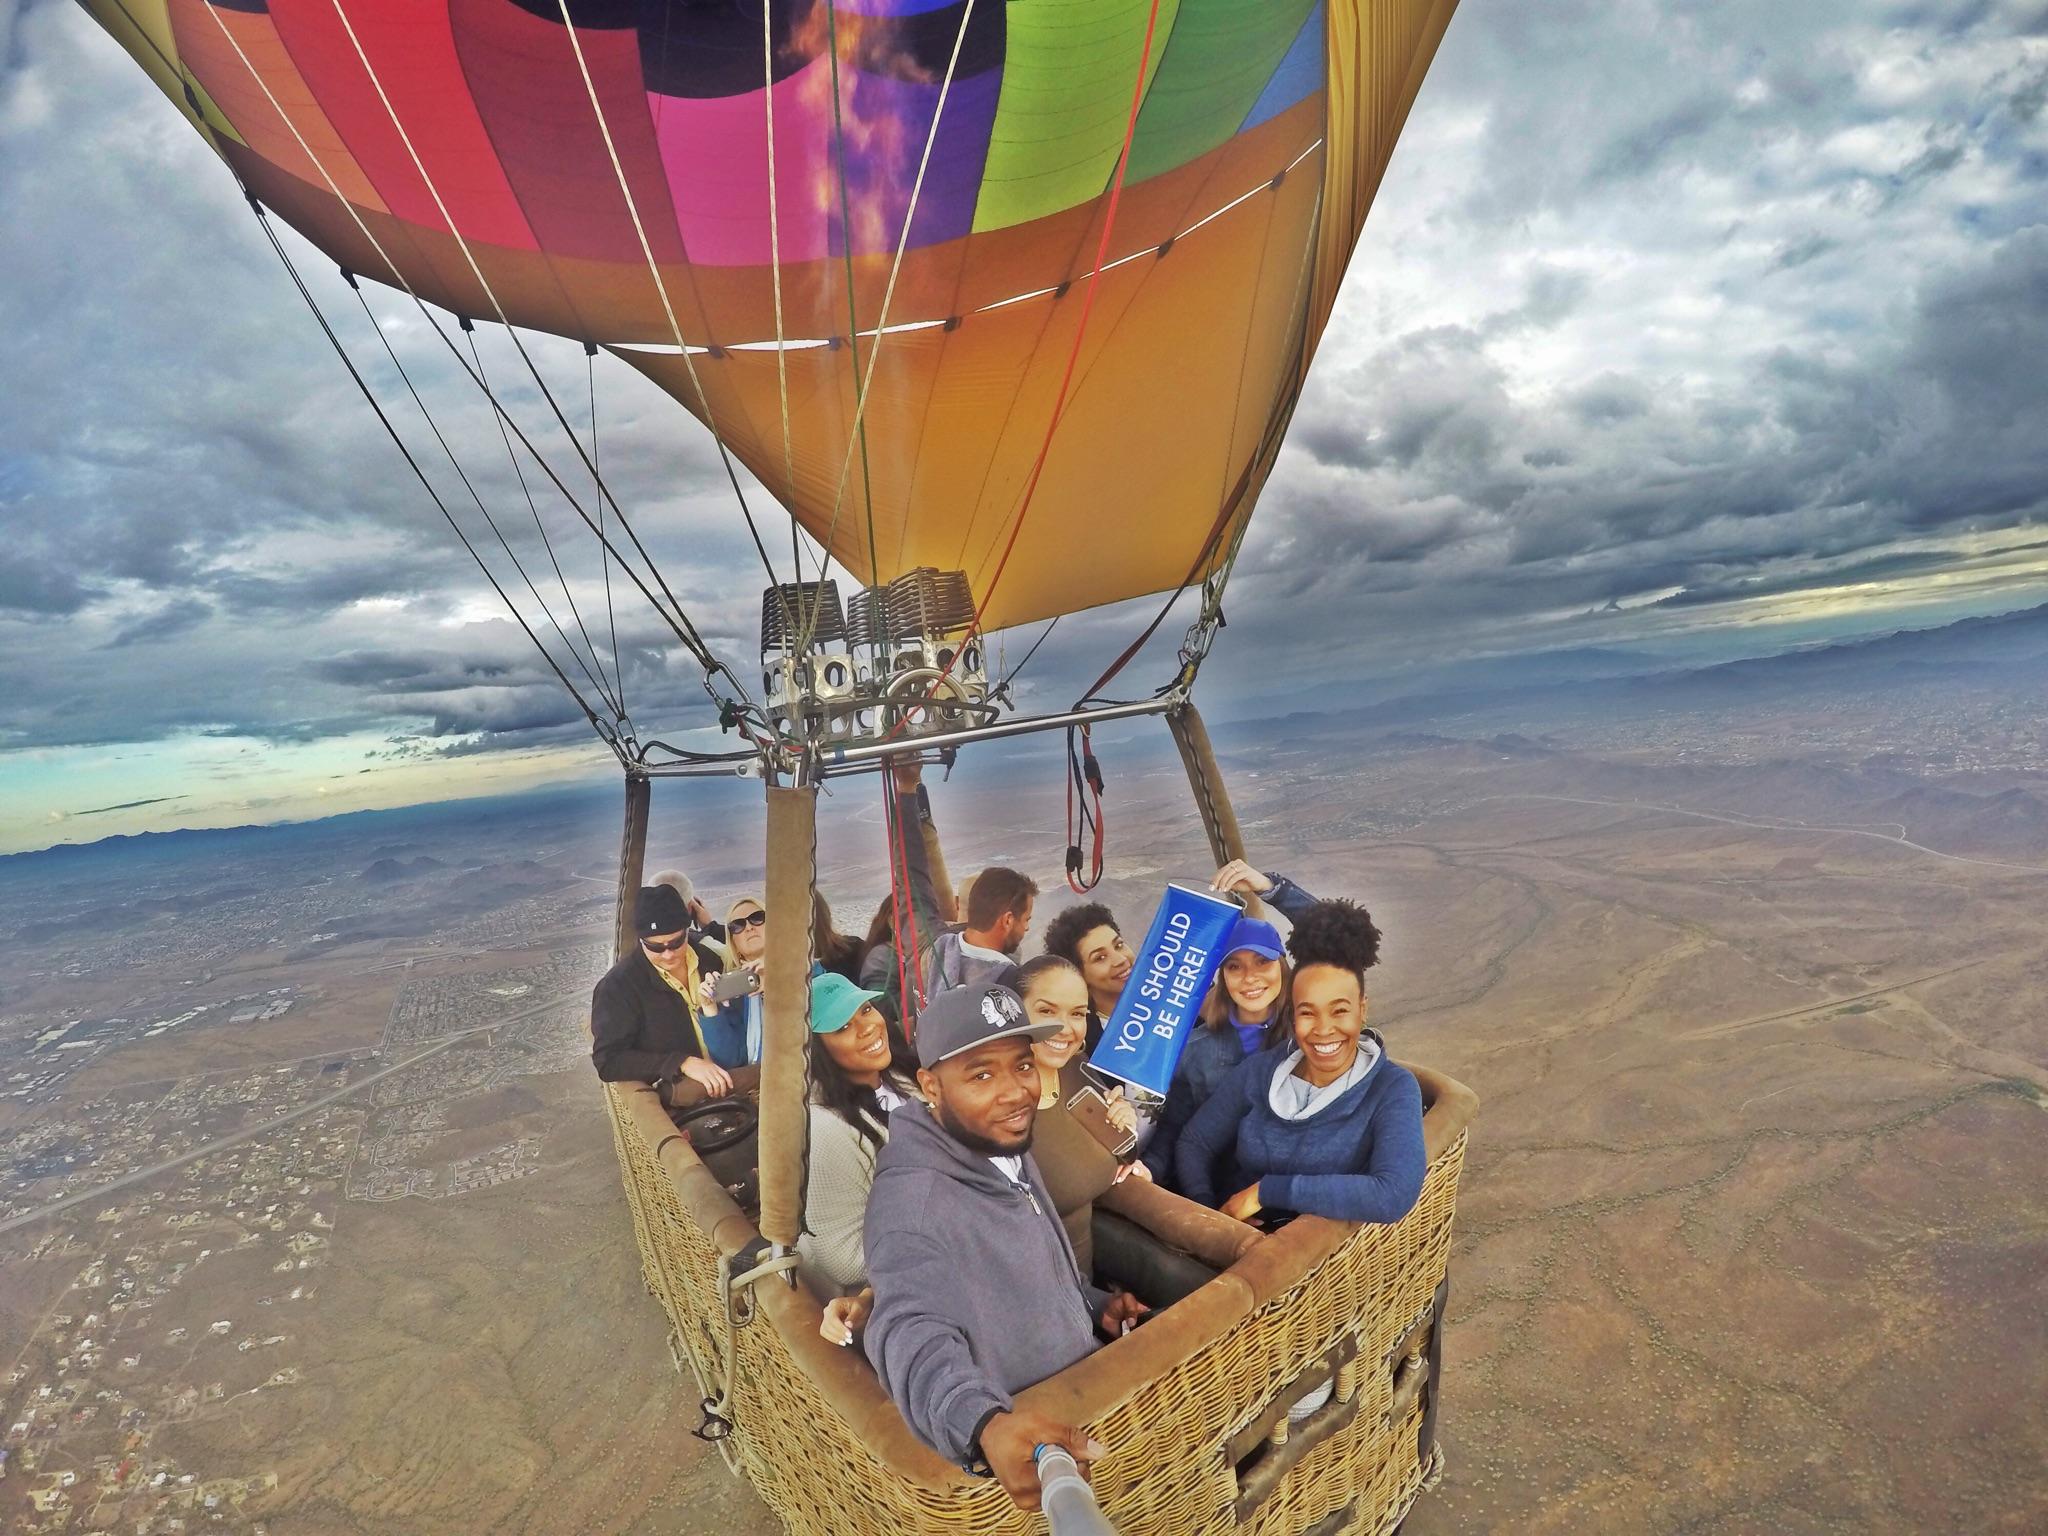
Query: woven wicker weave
{"points": [[827, 1451]]}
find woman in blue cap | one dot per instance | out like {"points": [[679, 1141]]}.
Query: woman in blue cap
{"points": [[1246, 1009], [855, 1083]]}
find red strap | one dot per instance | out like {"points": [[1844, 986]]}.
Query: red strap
{"points": [[1116, 192]]}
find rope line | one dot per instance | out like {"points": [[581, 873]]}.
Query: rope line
{"points": [[461, 474], [677, 620], [1116, 189], [605, 553], [611, 698], [863, 384], [846, 257], [668, 308], [263, 221]]}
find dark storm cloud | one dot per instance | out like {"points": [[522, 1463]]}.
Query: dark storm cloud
{"points": [[128, 805], [173, 618], [1784, 295], [1664, 307]]}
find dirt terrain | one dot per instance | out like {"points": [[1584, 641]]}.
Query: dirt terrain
{"points": [[1753, 1233]]}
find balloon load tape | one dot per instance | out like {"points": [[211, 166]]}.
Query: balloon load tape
{"points": [[899, 660]]}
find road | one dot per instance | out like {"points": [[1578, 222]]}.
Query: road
{"points": [[139, 1175]]}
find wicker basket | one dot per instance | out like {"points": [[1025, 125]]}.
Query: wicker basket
{"points": [[1192, 1409]]}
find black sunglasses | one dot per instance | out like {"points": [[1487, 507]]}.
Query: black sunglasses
{"points": [[655, 946], [751, 920]]}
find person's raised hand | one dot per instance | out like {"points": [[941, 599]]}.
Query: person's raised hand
{"points": [[908, 773], [1010, 1442], [1243, 1205], [845, 1316], [1237, 875], [708, 1075], [1123, 1114], [1120, 1309]]}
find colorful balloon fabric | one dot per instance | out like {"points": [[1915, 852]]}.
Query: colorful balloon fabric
{"points": [[717, 191]]}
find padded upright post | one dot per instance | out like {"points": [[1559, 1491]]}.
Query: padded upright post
{"points": [[786, 1010], [1212, 795], [632, 860]]}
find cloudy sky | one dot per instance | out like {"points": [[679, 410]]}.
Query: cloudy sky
{"points": [[1705, 328]]}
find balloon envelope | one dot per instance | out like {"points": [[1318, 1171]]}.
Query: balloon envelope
{"points": [[603, 170]]}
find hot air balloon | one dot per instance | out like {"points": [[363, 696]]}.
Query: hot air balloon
{"points": [[967, 286]]}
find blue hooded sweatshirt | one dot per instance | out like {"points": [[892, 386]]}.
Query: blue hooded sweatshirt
{"points": [[1358, 1158]]}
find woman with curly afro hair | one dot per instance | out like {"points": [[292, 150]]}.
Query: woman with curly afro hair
{"points": [[1323, 1122]]}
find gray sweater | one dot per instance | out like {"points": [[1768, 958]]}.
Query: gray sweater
{"points": [[977, 1294]]}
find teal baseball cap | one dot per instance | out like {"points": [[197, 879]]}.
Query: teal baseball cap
{"points": [[834, 1002]]}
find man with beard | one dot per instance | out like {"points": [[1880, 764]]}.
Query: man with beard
{"points": [[998, 916], [977, 1294]]}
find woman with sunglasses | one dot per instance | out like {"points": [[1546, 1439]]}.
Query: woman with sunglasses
{"points": [[732, 1025], [645, 1011]]}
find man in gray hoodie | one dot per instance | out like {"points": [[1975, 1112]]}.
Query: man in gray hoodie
{"points": [[998, 916], [977, 1294]]}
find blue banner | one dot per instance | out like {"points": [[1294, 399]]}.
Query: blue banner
{"points": [[1142, 1039]]}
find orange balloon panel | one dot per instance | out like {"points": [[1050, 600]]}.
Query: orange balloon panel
{"points": [[1183, 356], [662, 175]]}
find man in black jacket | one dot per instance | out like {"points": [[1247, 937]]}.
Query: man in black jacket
{"points": [[643, 1011]]}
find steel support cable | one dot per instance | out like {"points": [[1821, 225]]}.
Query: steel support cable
{"points": [[863, 383], [391, 430], [677, 621], [405, 378], [1116, 189], [605, 553], [601, 681], [668, 307], [867, 479], [1012, 675], [1276, 427], [775, 280]]}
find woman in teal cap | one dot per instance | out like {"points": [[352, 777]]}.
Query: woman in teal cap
{"points": [[854, 1085]]}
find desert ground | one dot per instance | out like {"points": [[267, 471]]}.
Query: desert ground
{"points": [[1753, 1233]]}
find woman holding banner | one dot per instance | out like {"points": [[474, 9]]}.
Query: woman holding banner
{"points": [[1246, 1009], [1323, 1123]]}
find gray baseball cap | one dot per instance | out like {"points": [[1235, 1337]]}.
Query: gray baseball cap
{"points": [[965, 1017]]}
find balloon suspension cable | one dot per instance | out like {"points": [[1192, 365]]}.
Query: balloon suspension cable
{"points": [[668, 308], [602, 680], [604, 732], [597, 487], [796, 555], [863, 381], [405, 378], [846, 256], [677, 620], [673, 613], [1001, 690], [1195, 645], [1059, 405]]}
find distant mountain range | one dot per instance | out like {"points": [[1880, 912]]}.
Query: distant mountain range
{"points": [[2006, 651]]}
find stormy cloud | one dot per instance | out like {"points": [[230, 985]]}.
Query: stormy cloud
{"points": [[1669, 315]]}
